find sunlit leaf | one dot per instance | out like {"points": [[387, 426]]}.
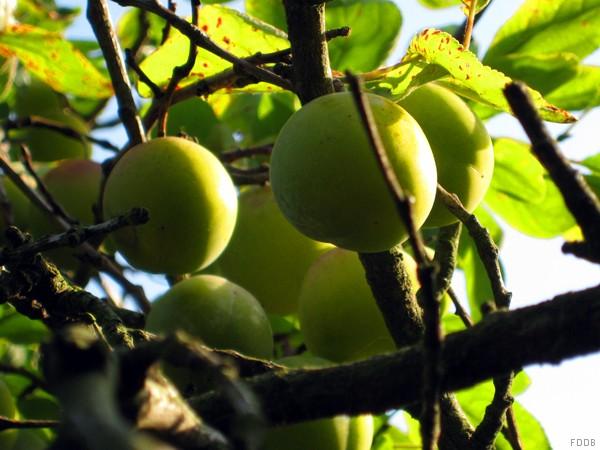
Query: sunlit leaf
{"points": [[580, 92], [592, 163], [517, 172], [45, 14], [270, 11], [434, 4], [541, 27], [433, 55], [54, 60], [375, 25], [542, 216], [233, 31]]}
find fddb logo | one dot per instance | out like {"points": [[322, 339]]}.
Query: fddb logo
{"points": [[583, 442]]}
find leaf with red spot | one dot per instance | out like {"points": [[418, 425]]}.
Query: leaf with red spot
{"points": [[53, 59], [233, 31], [436, 55]]}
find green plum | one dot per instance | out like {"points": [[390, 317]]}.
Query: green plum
{"points": [[267, 255], [75, 185], [191, 199], [217, 311], [38, 99], [461, 146], [326, 179], [335, 433], [338, 314]]}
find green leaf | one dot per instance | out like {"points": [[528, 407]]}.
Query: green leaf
{"points": [[517, 172], [45, 14], [129, 28], [478, 286], [233, 31], [480, 5], [270, 11], [580, 92], [476, 399], [592, 163], [542, 215], [432, 55], [19, 329], [55, 61], [255, 118], [375, 25], [543, 27], [435, 4]]}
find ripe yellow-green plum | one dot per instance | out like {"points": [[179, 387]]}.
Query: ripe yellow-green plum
{"points": [[191, 199], [335, 433], [38, 99], [339, 317], [267, 255], [217, 311], [19, 207], [75, 185], [461, 146], [326, 179], [9, 410], [196, 118]]}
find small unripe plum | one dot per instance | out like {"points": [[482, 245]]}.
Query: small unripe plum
{"points": [[339, 317], [267, 255], [461, 146], [326, 179], [191, 200], [38, 99], [335, 433], [217, 311], [75, 185]]}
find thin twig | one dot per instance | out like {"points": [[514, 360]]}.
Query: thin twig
{"points": [[56, 207], [99, 17], [74, 236], [65, 130], [131, 62], [511, 431], [179, 73], [240, 153], [459, 310], [486, 248], [432, 338], [8, 424], [470, 22]]}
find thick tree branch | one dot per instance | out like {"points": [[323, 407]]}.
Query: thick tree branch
{"points": [[548, 332], [310, 56]]}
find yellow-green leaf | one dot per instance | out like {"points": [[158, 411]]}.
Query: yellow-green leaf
{"points": [[233, 31], [54, 60], [436, 55]]}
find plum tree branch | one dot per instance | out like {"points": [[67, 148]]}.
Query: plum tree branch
{"points": [[99, 18], [310, 56], [486, 248], [578, 196], [8, 424], [549, 332], [432, 332]]}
